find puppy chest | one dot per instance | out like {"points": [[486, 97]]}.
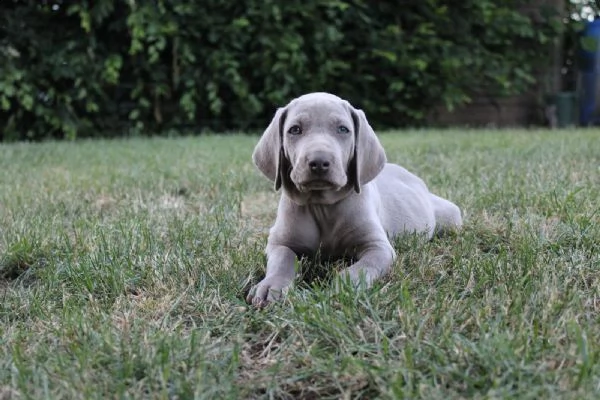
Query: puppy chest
{"points": [[338, 237]]}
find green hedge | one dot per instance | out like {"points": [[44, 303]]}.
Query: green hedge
{"points": [[111, 67]]}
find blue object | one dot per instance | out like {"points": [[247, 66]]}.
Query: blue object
{"points": [[589, 69]]}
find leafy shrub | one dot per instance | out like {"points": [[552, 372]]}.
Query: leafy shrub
{"points": [[108, 67]]}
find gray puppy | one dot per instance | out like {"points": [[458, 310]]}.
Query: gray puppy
{"points": [[339, 195]]}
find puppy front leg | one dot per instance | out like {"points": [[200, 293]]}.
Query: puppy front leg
{"points": [[373, 262], [280, 275]]}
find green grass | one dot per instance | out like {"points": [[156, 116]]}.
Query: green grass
{"points": [[124, 265]]}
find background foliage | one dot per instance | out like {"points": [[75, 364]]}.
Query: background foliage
{"points": [[108, 67]]}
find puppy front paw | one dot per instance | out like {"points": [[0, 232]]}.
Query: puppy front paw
{"points": [[359, 277], [268, 290]]}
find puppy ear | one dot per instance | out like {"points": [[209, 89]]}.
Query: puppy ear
{"points": [[369, 157], [268, 154]]}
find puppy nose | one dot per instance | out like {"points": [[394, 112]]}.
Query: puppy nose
{"points": [[318, 165]]}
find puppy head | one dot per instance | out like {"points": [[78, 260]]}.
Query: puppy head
{"points": [[319, 148]]}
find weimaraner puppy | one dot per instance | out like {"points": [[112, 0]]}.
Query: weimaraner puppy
{"points": [[339, 197]]}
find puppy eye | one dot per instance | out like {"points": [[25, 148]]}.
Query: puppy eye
{"points": [[343, 129], [295, 130]]}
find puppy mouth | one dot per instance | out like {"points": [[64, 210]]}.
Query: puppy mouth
{"points": [[317, 185]]}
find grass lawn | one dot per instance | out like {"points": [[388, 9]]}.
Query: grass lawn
{"points": [[124, 266]]}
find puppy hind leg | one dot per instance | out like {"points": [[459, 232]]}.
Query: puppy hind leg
{"points": [[447, 215]]}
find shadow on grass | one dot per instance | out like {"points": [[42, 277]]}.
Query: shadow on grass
{"points": [[311, 272], [21, 261]]}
